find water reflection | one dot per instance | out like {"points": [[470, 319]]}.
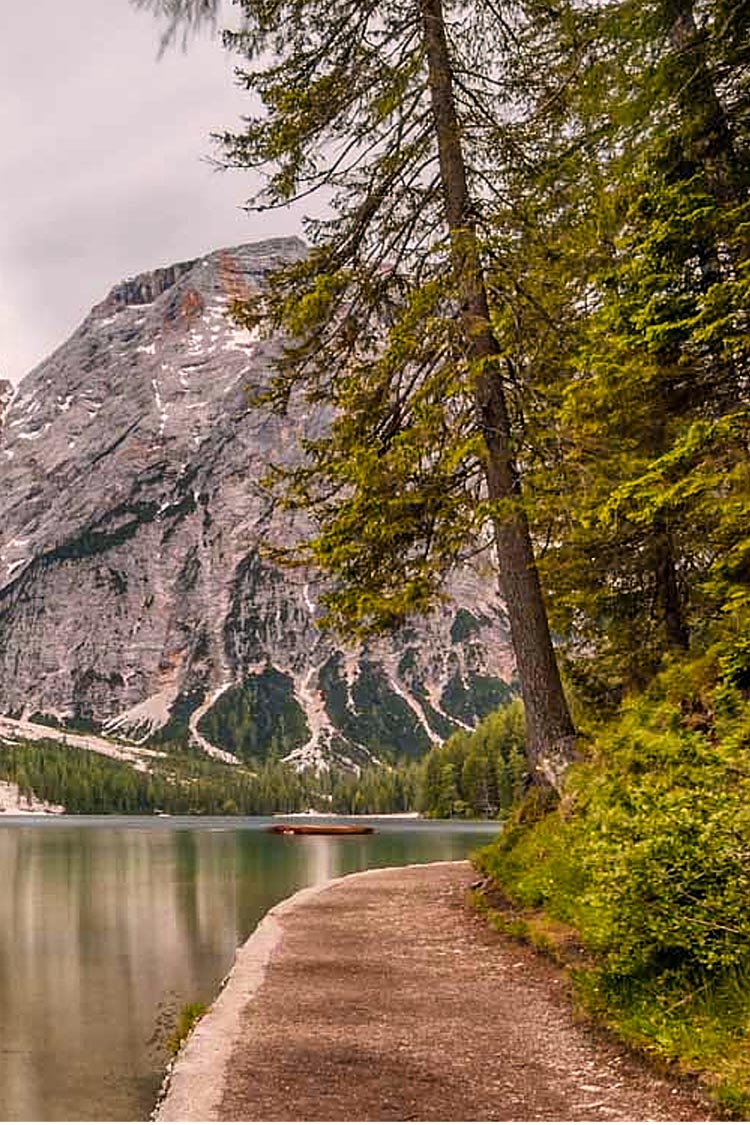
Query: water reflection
{"points": [[107, 929]]}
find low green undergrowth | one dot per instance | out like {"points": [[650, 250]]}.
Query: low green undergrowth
{"points": [[646, 860]]}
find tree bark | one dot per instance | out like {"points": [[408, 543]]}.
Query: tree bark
{"points": [[668, 590], [549, 728]]}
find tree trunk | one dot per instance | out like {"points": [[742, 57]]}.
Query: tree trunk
{"points": [[706, 132], [668, 590], [549, 728]]}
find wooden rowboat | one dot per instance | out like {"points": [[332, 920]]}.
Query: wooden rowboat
{"points": [[321, 829]]}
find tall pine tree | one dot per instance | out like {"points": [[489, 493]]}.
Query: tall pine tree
{"points": [[649, 405], [396, 110]]}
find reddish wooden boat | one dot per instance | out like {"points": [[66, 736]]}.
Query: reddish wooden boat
{"points": [[321, 829]]}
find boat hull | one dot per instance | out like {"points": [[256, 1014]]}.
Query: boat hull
{"points": [[321, 829]]}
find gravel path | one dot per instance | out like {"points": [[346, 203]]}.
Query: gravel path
{"points": [[385, 998]]}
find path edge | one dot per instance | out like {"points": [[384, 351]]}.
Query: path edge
{"points": [[194, 1084]]}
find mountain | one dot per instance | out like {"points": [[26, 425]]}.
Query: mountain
{"points": [[6, 394], [134, 595]]}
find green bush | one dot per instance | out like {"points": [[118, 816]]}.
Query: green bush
{"points": [[647, 858], [650, 854]]}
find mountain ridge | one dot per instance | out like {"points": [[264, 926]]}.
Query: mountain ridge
{"points": [[134, 595]]}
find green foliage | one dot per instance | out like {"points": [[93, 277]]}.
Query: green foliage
{"points": [[474, 696], [376, 717], [648, 859], [376, 789], [477, 773], [187, 1018], [639, 264], [669, 833], [394, 484], [465, 625], [179, 718], [608, 166], [258, 718], [185, 782], [408, 671], [649, 855], [182, 783], [399, 110]]}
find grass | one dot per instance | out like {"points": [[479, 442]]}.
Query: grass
{"points": [[187, 1018], [638, 882]]}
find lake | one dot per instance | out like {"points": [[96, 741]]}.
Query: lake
{"points": [[110, 925]]}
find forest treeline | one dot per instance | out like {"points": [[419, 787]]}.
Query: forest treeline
{"points": [[474, 774]]}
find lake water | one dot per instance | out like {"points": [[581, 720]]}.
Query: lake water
{"points": [[110, 925]]}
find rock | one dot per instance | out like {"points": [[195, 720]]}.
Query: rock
{"points": [[133, 592], [15, 803], [6, 394]]}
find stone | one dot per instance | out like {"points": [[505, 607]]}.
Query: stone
{"points": [[6, 394]]}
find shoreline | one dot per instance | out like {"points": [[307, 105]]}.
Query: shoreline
{"points": [[13, 803], [195, 1081]]}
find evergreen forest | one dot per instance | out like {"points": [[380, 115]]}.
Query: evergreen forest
{"points": [[472, 775]]}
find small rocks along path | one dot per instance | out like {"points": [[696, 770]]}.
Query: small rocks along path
{"points": [[386, 998]]}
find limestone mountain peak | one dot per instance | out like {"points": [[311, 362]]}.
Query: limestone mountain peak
{"points": [[6, 394], [133, 590]]}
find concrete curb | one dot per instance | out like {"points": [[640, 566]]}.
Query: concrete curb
{"points": [[194, 1085]]}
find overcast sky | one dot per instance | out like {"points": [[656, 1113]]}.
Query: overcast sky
{"points": [[103, 163]]}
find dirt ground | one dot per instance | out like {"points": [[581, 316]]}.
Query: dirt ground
{"points": [[389, 999]]}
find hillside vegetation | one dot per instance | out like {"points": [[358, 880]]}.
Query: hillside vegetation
{"points": [[639, 879], [472, 775], [185, 782]]}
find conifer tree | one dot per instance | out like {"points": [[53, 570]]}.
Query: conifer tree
{"points": [[181, 17], [649, 406], [395, 110]]}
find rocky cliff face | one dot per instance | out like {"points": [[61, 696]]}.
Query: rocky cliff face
{"points": [[6, 394], [133, 593]]}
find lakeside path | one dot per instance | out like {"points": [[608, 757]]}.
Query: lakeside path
{"points": [[381, 996]]}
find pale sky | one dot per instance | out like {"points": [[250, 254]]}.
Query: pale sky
{"points": [[104, 167]]}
